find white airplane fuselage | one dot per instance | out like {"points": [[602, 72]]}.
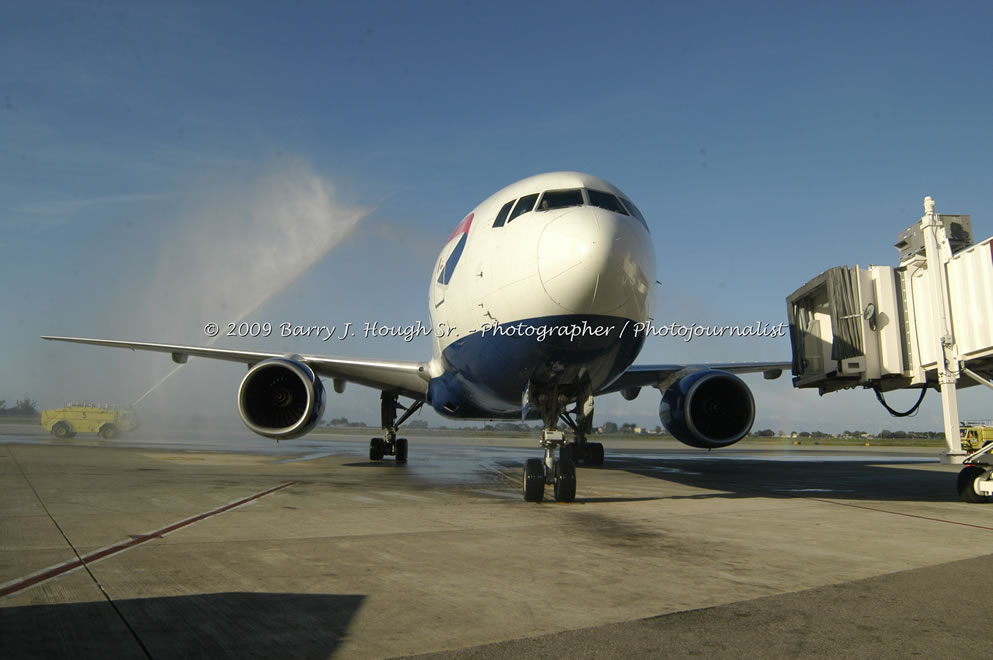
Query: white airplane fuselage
{"points": [[549, 296]]}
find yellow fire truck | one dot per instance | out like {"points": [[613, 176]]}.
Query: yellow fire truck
{"points": [[75, 418], [975, 435]]}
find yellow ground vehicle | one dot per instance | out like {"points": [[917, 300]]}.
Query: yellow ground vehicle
{"points": [[975, 436], [75, 418]]}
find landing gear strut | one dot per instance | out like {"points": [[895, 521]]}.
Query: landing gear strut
{"points": [[580, 449], [390, 444], [561, 473]]}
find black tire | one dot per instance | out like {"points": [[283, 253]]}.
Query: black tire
{"points": [[376, 449], [534, 480], [595, 453], [967, 485], [109, 432], [565, 481], [569, 450], [401, 451], [62, 430]]}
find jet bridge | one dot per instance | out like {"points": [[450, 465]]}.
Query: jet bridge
{"points": [[925, 324]]}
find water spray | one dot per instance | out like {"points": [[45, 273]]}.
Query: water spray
{"points": [[251, 243]]}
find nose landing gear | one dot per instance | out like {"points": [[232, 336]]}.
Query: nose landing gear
{"points": [[561, 473]]}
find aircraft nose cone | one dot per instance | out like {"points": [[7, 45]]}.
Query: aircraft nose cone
{"points": [[591, 261]]}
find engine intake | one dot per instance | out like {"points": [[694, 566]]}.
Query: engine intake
{"points": [[281, 398], [708, 409]]}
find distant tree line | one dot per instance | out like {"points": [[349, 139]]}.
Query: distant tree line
{"points": [[930, 435], [509, 427], [917, 435], [343, 421], [23, 408]]}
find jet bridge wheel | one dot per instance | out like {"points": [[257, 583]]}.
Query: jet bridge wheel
{"points": [[968, 484], [534, 480]]}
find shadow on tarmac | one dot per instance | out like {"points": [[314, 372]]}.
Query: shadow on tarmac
{"points": [[232, 625]]}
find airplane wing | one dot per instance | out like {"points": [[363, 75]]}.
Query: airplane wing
{"points": [[655, 375], [407, 378]]}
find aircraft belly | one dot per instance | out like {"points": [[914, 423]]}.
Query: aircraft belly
{"points": [[488, 370]]}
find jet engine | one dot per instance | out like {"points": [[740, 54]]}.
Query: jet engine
{"points": [[708, 409], [281, 398]]}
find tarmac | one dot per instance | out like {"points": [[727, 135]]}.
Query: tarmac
{"points": [[216, 543]]}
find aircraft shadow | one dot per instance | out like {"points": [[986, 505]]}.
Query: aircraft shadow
{"points": [[220, 625], [831, 478]]}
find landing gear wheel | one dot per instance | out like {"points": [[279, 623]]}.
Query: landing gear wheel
{"points": [[62, 430], [967, 484], [569, 451], [401, 451], [376, 449], [565, 481], [534, 480], [594, 453], [109, 432]]}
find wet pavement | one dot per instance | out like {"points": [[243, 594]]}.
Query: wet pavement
{"points": [[220, 544]]}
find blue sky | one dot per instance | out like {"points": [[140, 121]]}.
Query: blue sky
{"points": [[167, 164]]}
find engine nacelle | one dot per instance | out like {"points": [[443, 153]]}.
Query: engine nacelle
{"points": [[708, 409], [281, 398]]}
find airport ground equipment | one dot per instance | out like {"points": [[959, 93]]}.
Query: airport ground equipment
{"points": [[975, 435], [109, 421], [921, 325]]}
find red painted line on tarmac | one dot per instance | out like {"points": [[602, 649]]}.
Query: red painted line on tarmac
{"points": [[906, 515], [59, 569]]}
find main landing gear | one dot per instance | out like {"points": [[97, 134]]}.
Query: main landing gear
{"points": [[561, 473], [390, 444]]}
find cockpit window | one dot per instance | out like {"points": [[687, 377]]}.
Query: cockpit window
{"points": [[560, 199], [524, 204], [502, 215], [633, 209], [606, 201]]}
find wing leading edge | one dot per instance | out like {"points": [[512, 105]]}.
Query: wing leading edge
{"points": [[406, 378], [657, 375]]}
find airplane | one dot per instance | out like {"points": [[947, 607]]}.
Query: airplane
{"points": [[540, 300]]}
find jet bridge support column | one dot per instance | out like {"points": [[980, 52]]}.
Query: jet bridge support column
{"points": [[938, 253]]}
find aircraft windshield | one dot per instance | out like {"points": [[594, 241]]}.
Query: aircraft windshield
{"points": [[502, 215], [633, 209], [560, 199], [606, 201], [524, 204]]}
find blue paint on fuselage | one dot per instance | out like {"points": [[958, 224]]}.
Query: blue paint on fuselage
{"points": [[487, 371]]}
